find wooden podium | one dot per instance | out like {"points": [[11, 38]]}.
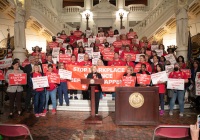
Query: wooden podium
{"points": [[93, 119], [137, 106]]}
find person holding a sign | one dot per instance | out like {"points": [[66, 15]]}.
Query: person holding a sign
{"points": [[14, 91], [143, 71], [62, 88], [86, 61], [95, 75], [51, 91], [39, 94], [49, 59], [116, 61], [177, 74], [162, 47], [129, 62], [181, 62], [129, 78]]}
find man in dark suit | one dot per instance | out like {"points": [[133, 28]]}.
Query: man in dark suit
{"points": [[49, 59], [95, 75], [28, 71]]}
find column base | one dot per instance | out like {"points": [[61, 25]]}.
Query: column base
{"points": [[20, 53]]}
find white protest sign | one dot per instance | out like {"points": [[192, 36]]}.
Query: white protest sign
{"points": [[5, 63], [94, 61], [197, 76], [80, 40], [177, 84], [137, 59], [80, 57], [89, 51], [170, 58], [40, 82], [110, 40], [159, 77], [88, 33], [159, 52], [91, 40], [65, 74], [197, 88], [55, 52], [59, 40], [96, 55], [154, 47], [169, 68]]}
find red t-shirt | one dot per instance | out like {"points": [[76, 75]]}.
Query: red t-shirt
{"points": [[178, 75], [116, 63], [73, 63], [85, 63], [38, 75], [130, 64], [161, 88], [117, 45], [52, 86]]}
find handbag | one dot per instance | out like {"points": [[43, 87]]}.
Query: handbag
{"points": [[170, 93]]}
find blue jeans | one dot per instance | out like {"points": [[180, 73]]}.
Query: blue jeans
{"points": [[39, 100], [62, 89], [162, 103], [180, 95], [53, 98]]}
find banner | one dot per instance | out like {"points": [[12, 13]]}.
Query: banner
{"points": [[53, 77], [188, 72], [143, 79], [64, 58], [2, 77], [80, 57], [65, 74], [45, 68], [170, 58], [5, 63], [17, 79], [177, 84], [159, 77], [112, 77], [128, 81], [40, 82], [108, 56]]}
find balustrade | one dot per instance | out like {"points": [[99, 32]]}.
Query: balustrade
{"points": [[137, 7], [72, 9]]}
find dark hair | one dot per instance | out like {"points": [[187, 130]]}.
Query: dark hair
{"points": [[143, 57], [16, 59], [143, 65], [15, 62], [163, 57], [116, 32], [50, 65], [81, 47], [49, 54], [73, 55], [182, 59], [161, 67]]}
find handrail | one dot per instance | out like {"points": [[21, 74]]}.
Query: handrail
{"points": [[72, 9], [137, 7]]}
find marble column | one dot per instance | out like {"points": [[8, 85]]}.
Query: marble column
{"points": [[19, 33], [182, 27], [88, 4], [120, 4]]}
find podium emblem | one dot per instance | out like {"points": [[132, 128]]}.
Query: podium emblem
{"points": [[91, 81], [136, 100]]}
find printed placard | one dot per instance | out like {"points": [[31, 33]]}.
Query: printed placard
{"points": [[55, 52], [65, 74], [154, 47], [40, 82], [159, 77], [197, 76], [128, 81], [80, 57], [94, 61], [108, 56], [177, 84], [59, 40], [170, 58], [137, 58], [159, 52], [188, 72], [53, 44], [143, 79], [197, 87], [45, 67], [64, 58], [169, 68], [2, 77], [89, 51], [110, 40], [53, 77], [5, 63], [133, 56], [96, 55], [17, 79], [91, 40]]}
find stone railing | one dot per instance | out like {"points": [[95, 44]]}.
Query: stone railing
{"points": [[137, 7], [72, 9], [159, 11]]}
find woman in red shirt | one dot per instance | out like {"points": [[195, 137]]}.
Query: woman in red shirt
{"points": [[39, 94], [162, 89], [181, 62]]}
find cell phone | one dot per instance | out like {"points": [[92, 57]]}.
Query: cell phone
{"points": [[198, 120]]}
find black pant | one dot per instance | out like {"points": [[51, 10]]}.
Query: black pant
{"points": [[12, 97], [29, 92], [86, 95], [97, 97], [73, 92]]}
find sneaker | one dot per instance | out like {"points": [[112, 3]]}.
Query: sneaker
{"points": [[37, 115], [70, 97], [45, 111], [162, 112], [170, 113], [181, 114], [42, 114], [53, 111], [76, 98], [67, 104]]}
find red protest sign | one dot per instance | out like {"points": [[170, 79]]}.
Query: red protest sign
{"points": [[45, 67], [143, 79], [64, 58], [53, 44], [108, 56], [53, 77], [128, 81], [188, 72], [133, 56], [2, 75], [17, 79]]}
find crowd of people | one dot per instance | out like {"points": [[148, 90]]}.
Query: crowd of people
{"points": [[121, 44]]}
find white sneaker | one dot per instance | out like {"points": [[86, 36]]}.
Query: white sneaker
{"points": [[170, 113], [181, 114]]}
